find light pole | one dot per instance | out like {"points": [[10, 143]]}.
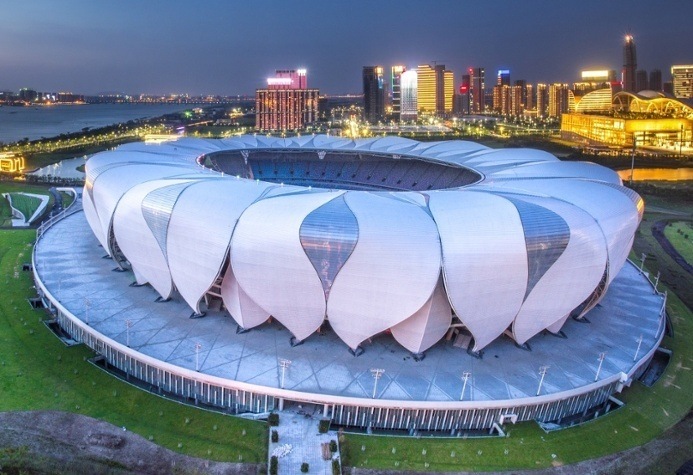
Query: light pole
{"points": [[642, 261], [632, 161], [198, 347], [542, 372], [637, 350], [602, 355], [128, 324], [465, 378], [656, 282], [284, 364], [86, 311], [377, 374]]}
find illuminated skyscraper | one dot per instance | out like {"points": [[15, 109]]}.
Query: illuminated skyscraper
{"points": [[478, 89], [286, 103], [529, 97], [516, 99], [435, 89], [373, 93], [503, 78], [542, 100], [630, 64], [464, 96], [395, 87], [558, 99], [682, 77], [409, 90]]}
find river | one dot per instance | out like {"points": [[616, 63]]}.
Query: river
{"points": [[35, 122]]}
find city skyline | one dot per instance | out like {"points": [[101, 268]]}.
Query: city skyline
{"points": [[90, 48]]}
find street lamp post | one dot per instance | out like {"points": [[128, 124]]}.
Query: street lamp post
{"points": [[637, 350], [198, 347], [128, 324], [86, 311], [377, 374], [284, 364], [465, 378], [602, 355], [642, 261], [542, 372]]}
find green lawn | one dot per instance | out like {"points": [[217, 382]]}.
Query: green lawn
{"points": [[67, 198], [680, 234], [25, 204], [37, 372], [15, 187], [648, 412]]}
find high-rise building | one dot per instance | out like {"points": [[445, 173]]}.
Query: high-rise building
{"points": [[542, 100], [436, 89], [516, 99], [641, 82], [464, 96], [395, 88], [682, 79], [409, 90], [529, 97], [478, 90], [656, 80], [630, 65], [373, 93], [286, 103], [558, 99], [503, 78], [501, 99]]}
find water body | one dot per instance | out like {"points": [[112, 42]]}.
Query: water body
{"points": [[63, 169], [657, 174], [36, 122]]}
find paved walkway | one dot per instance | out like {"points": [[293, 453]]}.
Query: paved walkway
{"points": [[298, 427]]}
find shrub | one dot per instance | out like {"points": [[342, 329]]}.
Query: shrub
{"points": [[274, 465], [304, 467], [323, 425], [333, 445], [273, 419], [275, 436], [335, 467]]}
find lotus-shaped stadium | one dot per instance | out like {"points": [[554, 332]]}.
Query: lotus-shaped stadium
{"points": [[299, 249]]}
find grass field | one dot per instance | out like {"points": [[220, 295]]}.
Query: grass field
{"points": [[680, 234], [25, 204], [39, 373], [14, 187]]}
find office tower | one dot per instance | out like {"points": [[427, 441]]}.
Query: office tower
{"points": [[373, 94], [464, 96], [630, 64], [542, 100], [478, 90], [409, 90], [682, 79], [523, 96], [558, 99], [503, 78], [286, 103], [435, 89], [395, 88], [641, 83], [656, 80], [501, 99]]}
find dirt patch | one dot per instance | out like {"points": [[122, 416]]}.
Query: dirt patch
{"points": [[56, 442]]}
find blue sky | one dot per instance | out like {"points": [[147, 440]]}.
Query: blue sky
{"points": [[229, 47]]}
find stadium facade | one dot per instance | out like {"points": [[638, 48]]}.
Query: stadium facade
{"points": [[377, 239]]}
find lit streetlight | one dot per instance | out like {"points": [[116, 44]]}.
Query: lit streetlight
{"points": [[377, 374]]}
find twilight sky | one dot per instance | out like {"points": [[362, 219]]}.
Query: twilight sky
{"points": [[229, 47]]}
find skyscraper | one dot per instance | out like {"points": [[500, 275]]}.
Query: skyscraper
{"points": [[286, 103], [395, 87], [503, 78], [630, 64], [478, 89], [542, 100], [435, 89], [409, 90], [641, 82], [656, 80], [558, 99], [373, 93], [464, 96], [682, 78]]}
